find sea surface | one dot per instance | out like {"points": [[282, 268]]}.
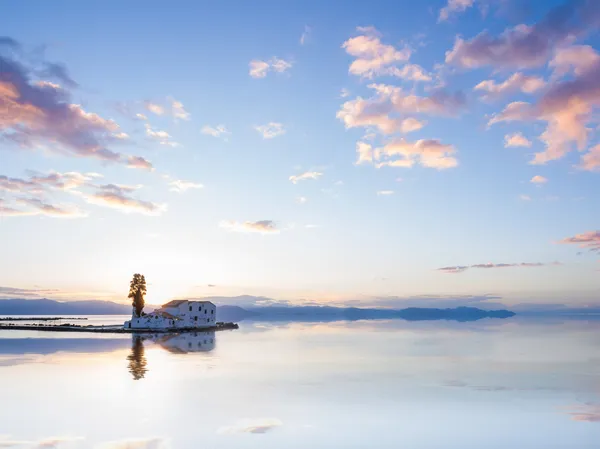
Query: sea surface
{"points": [[498, 384]]}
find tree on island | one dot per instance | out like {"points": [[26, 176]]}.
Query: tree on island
{"points": [[137, 290]]}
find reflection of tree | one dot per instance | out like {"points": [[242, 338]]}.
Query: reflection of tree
{"points": [[137, 359]]}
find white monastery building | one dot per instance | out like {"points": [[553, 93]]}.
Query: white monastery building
{"points": [[176, 314]]}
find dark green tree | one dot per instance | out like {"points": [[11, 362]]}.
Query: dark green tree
{"points": [[137, 291]]}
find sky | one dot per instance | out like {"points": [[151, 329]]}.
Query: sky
{"points": [[306, 151]]}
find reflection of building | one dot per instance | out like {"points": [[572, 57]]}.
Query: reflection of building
{"points": [[176, 343], [186, 342], [176, 314]]}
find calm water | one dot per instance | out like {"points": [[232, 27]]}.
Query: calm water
{"points": [[377, 384]]}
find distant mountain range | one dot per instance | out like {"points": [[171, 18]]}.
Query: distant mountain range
{"points": [[266, 313], [51, 307]]}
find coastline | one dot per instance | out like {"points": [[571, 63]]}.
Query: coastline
{"points": [[115, 329]]}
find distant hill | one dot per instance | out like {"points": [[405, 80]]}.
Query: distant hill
{"points": [[51, 307], [267, 313], [325, 313]]}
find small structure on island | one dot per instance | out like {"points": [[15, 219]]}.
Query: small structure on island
{"points": [[176, 314]]}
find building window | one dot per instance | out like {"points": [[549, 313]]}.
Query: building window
{"points": [[190, 308], [195, 318], [212, 312]]}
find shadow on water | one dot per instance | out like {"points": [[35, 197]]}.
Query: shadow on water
{"points": [[183, 343]]}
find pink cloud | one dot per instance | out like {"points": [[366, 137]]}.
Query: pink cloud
{"points": [[525, 46], [38, 183], [516, 140], [517, 82], [588, 240], [390, 110], [39, 207], [579, 59], [34, 114], [537, 179], [372, 56], [430, 153], [591, 160], [139, 162], [454, 7], [261, 227], [118, 196], [567, 108]]}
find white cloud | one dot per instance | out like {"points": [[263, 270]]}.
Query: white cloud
{"points": [[517, 82], [139, 162], [430, 153], [453, 7], [169, 107], [260, 227], [364, 152], [162, 137], [305, 176], [154, 108], [385, 192], [577, 58], [119, 197], [567, 107], [178, 111], [271, 130], [591, 160], [411, 124], [372, 56], [301, 200], [305, 35], [537, 179], [180, 186], [411, 72], [260, 69], [46, 443], [386, 111], [216, 131], [256, 426], [516, 140], [344, 93], [146, 443]]}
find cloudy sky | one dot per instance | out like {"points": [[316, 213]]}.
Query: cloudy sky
{"points": [[309, 151]]}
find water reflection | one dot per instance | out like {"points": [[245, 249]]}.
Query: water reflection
{"points": [[488, 384], [185, 342], [137, 359], [182, 343]]}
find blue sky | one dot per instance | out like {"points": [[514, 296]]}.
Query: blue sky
{"points": [[251, 115]]}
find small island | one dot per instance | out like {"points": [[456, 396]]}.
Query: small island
{"points": [[174, 316]]}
